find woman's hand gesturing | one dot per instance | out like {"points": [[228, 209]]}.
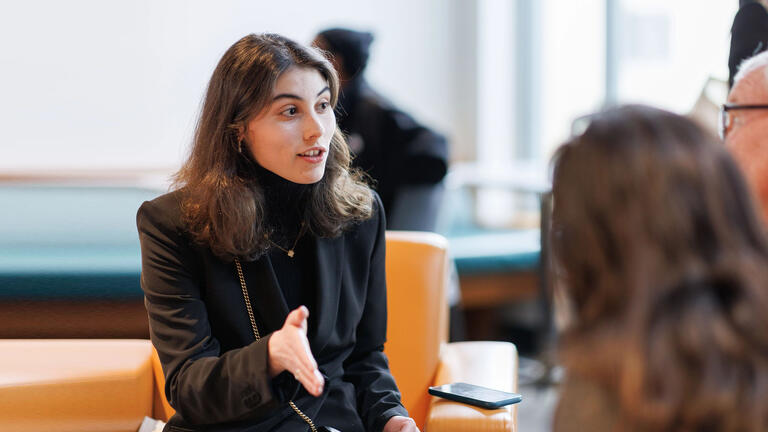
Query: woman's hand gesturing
{"points": [[289, 350]]}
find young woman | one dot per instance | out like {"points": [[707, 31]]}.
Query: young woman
{"points": [[666, 264], [263, 272]]}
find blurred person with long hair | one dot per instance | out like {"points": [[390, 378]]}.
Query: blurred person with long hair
{"points": [[664, 259], [263, 271]]}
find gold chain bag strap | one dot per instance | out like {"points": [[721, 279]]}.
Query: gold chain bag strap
{"points": [[258, 336]]}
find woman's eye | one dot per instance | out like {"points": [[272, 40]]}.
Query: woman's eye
{"points": [[322, 106], [290, 111]]}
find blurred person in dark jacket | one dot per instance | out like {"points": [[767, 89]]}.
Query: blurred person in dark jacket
{"points": [[406, 160], [662, 256], [749, 34]]}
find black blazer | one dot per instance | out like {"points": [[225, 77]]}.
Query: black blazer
{"points": [[216, 373]]}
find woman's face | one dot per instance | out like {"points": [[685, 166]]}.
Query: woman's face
{"points": [[291, 136]]}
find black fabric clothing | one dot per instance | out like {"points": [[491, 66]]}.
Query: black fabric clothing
{"points": [[296, 276], [388, 144], [285, 202], [216, 373], [749, 36]]}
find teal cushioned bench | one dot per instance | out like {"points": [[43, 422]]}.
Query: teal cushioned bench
{"points": [[68, 242], [477, 250], [75, 242], [488, 252], [70, 261]]}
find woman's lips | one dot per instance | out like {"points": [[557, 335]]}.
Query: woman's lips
{"points": [[315, 155]]}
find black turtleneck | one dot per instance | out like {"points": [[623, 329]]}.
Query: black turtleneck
{"points": [[286, 204]]}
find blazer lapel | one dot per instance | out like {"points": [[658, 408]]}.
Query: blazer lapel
{"points": [[329, 267], [267, 300]]}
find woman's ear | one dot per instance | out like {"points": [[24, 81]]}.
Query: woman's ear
{"points": [[239, 131]]}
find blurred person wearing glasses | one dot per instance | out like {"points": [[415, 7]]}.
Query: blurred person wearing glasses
{"points": [[744, 124]]}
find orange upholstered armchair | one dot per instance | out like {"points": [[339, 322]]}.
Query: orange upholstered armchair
{"points": [[417, 333], [110, 385], [76, 385]]}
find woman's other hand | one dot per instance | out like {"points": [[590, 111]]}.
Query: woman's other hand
{"points": [[289, 351], [400, 424]]}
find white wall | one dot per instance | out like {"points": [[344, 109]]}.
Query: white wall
{"points": [[671, 48], [92, 84], [573, 66]]}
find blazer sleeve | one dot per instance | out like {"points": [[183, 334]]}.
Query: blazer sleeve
{"points": [[203, 386], [378, 398]]}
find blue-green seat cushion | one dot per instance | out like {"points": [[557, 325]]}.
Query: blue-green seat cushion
{"points": [[68, 242], [478, 250], [483, 252]]}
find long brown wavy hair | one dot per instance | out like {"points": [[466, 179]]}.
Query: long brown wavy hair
{"points": [[666, 264], [223, 202]]}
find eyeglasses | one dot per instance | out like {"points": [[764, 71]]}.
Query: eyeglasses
{"points": [[726, 118]]}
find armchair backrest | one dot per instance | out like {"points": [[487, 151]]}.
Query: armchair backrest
{"points": [[417, 325]]}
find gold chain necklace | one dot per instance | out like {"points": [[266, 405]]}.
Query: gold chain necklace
{"points": [[257, 336], [292, 251]]}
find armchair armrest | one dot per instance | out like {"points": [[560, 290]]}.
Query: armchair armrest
{"points": [[74, 385], [489, 364]]}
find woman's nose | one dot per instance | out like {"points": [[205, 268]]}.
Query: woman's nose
{"points": [[313, 128]]}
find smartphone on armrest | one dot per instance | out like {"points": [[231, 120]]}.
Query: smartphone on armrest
{"points": [[482, 397]]}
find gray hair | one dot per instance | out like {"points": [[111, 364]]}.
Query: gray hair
{"points": [[748, 65]]}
